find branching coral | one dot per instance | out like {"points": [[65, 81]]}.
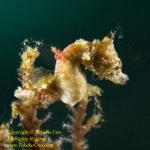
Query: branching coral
{"points": [[5, 137], [39, 88]]}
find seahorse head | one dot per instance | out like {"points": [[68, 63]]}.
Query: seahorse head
{"points": [[103, 60]]}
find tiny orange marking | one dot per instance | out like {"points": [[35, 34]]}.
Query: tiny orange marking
{"points": [[58, 54]]}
